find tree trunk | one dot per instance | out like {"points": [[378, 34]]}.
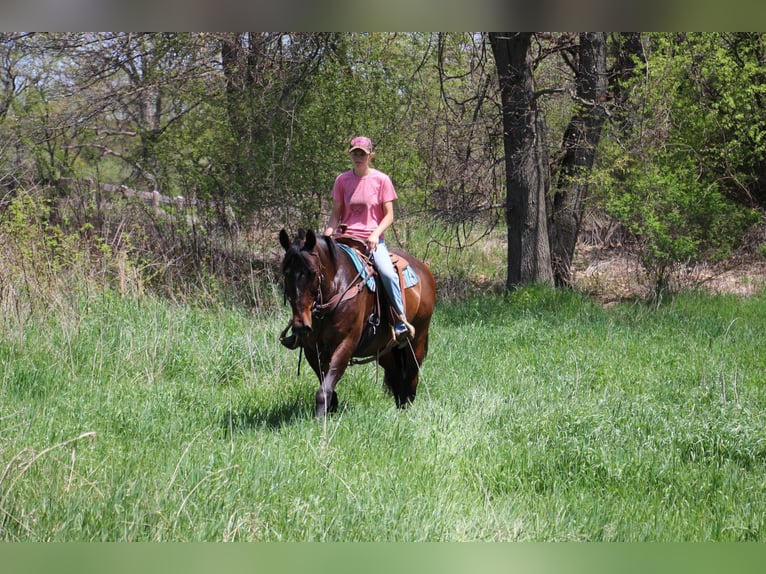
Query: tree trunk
{"points": [[526, 162], [629, 58], [242, 56], [578, 153]]}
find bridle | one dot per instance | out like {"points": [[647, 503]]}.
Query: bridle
{"points": [[320, 307], [318, 278]]}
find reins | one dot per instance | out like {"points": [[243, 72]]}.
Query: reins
{"points": [[348, 293]]}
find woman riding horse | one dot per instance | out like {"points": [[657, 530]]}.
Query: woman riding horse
{"points": [[363, 201], [336, 317], [363, 207]]}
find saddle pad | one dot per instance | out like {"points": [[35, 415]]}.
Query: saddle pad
{"points": [[409, 276], [358, 263]]}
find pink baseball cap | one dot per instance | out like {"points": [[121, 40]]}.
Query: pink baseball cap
{"points": [[361, 143]]}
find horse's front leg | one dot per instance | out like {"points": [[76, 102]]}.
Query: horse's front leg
{"points": [[331, 372]]}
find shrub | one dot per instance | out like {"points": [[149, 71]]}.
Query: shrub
{"points": [[676, 217]]}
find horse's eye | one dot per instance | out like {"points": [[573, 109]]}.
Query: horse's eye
{"points": [[307, 274]]}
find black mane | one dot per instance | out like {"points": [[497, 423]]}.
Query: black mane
{"points": [[332, 248]]}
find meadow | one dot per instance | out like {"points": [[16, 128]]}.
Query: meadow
{"points": [[540, 416]]}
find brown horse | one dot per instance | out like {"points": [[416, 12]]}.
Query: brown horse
{"points": [[337, 318]]}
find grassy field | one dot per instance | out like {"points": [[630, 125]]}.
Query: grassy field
{"points": [[541, 416]]}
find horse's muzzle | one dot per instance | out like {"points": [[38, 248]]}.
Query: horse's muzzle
{"points": [[301, 329]]}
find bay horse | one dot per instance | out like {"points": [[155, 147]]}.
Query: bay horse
{"points": [[335, 316]]}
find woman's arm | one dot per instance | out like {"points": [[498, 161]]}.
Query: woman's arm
{"points": [[385, 223], [337, 211]]}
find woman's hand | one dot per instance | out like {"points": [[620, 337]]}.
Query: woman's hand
{"points": [[372, 242]]}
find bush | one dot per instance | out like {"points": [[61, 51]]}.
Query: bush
{"points": [[676, 217]]}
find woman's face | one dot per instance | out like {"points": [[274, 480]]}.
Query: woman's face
{"points": [[359, 158]]}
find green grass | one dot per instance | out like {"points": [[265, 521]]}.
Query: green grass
{"points": [[541, 416]]}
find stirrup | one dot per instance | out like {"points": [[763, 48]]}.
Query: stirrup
{"points": [[403, 330], [290, 341]]}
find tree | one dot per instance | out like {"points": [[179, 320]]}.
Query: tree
{"points": [[526, 162], [128, 90], [578, 150], [543, 226], [267, 79], [8, 59]]}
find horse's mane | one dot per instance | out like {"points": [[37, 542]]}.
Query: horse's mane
{"points": [[331, 246]]}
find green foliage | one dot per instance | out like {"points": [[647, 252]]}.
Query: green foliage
{"points": [[540, 417], [718, 109], [677, 217], [40, 262], [257, 144], [676, 175]]}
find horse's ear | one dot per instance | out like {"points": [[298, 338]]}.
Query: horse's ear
{"points": [[311, 240], [284, 239]]}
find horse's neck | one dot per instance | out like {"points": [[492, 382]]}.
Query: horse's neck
{"points": [[332, 279], [336, 279]]}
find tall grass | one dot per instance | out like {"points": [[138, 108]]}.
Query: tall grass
{"points": [[540, 416]]}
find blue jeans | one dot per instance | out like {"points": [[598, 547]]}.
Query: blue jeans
{"points": [[388, 276]]}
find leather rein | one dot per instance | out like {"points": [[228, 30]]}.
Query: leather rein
{"points": [[321, 308]]}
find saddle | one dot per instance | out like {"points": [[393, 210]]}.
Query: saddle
{"points": [[356, 250]]}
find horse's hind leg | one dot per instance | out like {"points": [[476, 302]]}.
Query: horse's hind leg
{"points": [[401, 375], [413, 356]]}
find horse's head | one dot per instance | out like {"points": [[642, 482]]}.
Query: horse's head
{"points": [[302, 277]]}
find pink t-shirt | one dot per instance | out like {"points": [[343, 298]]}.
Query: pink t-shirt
{"points": [[362, 199]]}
